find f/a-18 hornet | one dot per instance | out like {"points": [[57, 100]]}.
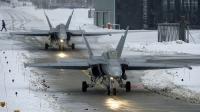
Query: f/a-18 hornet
{"points": [[60, 36], [109, 66]]}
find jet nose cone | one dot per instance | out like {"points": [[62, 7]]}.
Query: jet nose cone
{"points": [[116, 72], [63, 36]]}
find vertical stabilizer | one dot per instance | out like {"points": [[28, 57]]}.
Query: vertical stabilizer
{"points": [[69, 20], [50, 26], [121, 43], [88, 47]]}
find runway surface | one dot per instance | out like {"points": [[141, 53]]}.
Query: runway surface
{"points": [[66, 84]]}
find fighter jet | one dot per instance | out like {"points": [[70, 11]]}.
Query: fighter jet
{"points": [[60, 36], [109, 66]]}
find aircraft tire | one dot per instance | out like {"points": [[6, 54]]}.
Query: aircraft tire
{"points": [[108, 90], [73, 46], [114, 91], [84, 86], [128, 86], [46, 46]]}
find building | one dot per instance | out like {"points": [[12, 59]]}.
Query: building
{"points": [[146, 14]]}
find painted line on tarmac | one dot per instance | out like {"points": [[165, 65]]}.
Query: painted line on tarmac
{"points": [[128, 105]]}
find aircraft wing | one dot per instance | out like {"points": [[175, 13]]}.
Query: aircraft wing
{"points": [[74, 60], [35, 32], [68, 63], [49, 31], [148, 66], [80, 32], [38, 33], [79, 65], [66, 60]]}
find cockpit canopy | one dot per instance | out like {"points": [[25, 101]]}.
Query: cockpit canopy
{"points": [[61, 26], [112, 54]]}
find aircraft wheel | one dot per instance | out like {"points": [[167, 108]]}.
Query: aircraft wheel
{"points": [[84, 86], [46, 46], [108, 90], [128, 86], [114, 91], [73, 46]]}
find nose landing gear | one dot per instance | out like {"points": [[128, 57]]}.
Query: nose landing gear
{"points": [[61, 47], [111, 88]]}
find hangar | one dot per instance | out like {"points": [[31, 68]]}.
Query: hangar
{"points": [[145, 14]]}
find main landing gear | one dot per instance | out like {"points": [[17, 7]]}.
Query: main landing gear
{"points": [[70, 45], [110, 85]]}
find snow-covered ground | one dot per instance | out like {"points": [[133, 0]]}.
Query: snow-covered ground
{"points": [[180, 83], [143, 41], [26, 82]]}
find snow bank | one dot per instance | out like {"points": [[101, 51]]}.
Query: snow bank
{"points": [[15, 78], [177, 83]]}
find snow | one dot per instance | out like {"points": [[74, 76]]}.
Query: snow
{"points": [[15, 78], [144, 41], [181, 83]]}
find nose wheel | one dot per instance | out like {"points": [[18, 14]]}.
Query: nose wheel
{"points": [[61, 48], [111, 88], [114, 91]]}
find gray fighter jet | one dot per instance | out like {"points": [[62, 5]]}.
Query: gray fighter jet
{"points": [[60, 36], [109, 66]]}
